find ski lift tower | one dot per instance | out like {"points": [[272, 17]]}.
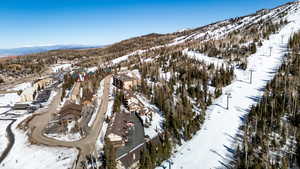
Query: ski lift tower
{"points": [[271, 50], [228, 94], [251, 72]]}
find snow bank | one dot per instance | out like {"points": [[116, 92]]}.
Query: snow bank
{"points": [[100, 139], [201, 57], [157, 119], [9, 99], [69, 137], [111, 100], [99, 100], [26, 156]]}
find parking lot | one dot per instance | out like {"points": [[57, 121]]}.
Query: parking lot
{"points": [[42, 97]]}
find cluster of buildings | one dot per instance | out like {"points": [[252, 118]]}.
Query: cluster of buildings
{"points": [[28, 95], [126, 128], [73, 118], [134, 105], [69, 113], [76, 111], [123, 81]]}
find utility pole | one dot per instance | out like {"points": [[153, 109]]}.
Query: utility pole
{"points": [[228, 97], [271, 50], [251, 71]]}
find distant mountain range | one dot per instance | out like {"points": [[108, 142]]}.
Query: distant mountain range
{"points": [[37, 49]]}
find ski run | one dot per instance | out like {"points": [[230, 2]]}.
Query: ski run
{"points": [[211, 146]]}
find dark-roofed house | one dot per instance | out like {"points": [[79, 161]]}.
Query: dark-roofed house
{"points": [[132, 158], [118, 129]]}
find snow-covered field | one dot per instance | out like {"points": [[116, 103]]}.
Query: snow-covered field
{"points": [[58, 67], [22, 86], [201, 57], [4, 110], [211, 146], [26, 156], [9, 99], [12, 98]]}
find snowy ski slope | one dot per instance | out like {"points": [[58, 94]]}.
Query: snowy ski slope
{"points": [[211, 146]]}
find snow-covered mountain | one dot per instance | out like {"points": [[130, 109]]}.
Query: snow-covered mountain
{"points": [[37, 49]]}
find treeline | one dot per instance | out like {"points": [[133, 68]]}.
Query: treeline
{"points": [[239, 44], [118, 100], [90, 84], [178, 86], [271, 131], [68, 83], [39, 62], [154, 153]]}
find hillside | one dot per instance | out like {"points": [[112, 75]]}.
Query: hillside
{"points": [[90, 57], [224, 95]]}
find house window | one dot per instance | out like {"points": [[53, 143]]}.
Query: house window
{"points": [[133, 156]]}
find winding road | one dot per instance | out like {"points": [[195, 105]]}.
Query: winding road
{"points": [[86, 146], [11, 139]]}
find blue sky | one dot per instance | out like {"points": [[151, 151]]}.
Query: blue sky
{"points": [[101, 22]]}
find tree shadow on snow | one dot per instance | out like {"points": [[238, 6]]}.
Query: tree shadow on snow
{"points": [[256, 99], [243, 81], [217, 104], [224, 160]]}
